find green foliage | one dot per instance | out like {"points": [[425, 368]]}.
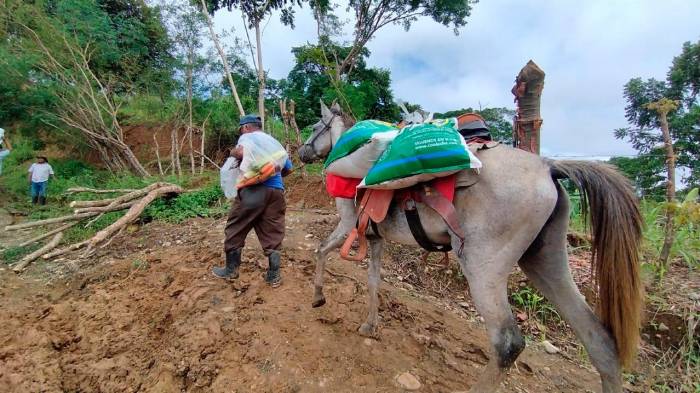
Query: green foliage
{"points": [[645, 172], [367, 91], [205, 202], [14, 254], [535, 305]]}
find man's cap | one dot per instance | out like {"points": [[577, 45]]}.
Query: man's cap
{"points": [[247, 119]]}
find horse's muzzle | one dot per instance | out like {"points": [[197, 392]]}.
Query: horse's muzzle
{"points": [[307, 154]]}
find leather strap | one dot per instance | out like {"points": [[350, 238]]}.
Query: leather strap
{"points": [[419, 234]]}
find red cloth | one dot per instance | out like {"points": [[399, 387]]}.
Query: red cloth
{"points": [[445, 186], [341, 187]]}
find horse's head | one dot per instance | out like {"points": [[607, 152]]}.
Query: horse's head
{"points": [[325, 133]]}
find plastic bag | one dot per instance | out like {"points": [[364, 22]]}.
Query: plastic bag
{"points": [[420, 153], [358, 163], [260, 150], [356, 137], [229, 177]]}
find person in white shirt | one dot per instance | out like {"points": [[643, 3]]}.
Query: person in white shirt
{"points": [[39, 174], [5, 147]]}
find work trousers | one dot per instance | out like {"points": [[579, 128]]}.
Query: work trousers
{"points": [[256, 207]]}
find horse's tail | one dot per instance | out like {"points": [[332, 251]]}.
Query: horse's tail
{"points": [[616, 224]]}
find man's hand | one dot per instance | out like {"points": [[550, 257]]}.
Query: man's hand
{"points": [[236, 152]]}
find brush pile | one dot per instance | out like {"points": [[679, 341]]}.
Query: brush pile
{"points": [[133, 200]]}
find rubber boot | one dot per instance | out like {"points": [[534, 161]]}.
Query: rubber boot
{"points": [[274, 276], [42, 200], [35, 200], [230, 271]]}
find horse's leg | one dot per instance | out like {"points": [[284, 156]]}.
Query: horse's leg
{"points": [[546, 265], [369, 328], [346, 209], [487, 270]]}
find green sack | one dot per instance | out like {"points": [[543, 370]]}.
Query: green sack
{"points": [[356, 137], [428, 148]]}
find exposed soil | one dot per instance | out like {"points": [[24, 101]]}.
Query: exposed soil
{"points": [[147, 315]]}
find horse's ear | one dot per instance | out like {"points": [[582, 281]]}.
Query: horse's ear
{"points": [[325, 112], [336, 107]]}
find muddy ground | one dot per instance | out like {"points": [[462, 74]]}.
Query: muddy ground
{"points": [[146, 315]]}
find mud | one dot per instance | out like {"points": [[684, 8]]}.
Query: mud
{"points": [[148, 316]]}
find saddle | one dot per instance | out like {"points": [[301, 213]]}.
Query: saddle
{"points": [[437, 194], [375, 204]]}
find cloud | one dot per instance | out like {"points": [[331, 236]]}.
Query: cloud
{"points": [[588, 50]]}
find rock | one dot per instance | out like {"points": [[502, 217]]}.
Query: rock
{"points": [[408, 381], [663, 327], [309, 236], [421, 338], [550, 348], [464, 305], [694, 296], [368, 342], [167, 244]]}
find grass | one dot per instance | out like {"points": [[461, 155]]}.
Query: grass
{"points": [[206, 200]]}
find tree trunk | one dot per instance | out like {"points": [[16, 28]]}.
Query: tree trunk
{"points": [[670, 191], [190, 65], [528, 93], [219, 49], [36, 254], [261, 73]]}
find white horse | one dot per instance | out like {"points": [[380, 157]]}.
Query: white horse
{"points": [[518, 212]]}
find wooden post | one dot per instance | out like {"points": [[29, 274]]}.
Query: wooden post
{"points": [[528, 92]]}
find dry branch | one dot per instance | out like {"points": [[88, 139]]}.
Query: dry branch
{"points": [[64, 250], [104, 209], [36, 254], [97, 191], [47, 234], [132, 214], [97, 203], [56, 220]]}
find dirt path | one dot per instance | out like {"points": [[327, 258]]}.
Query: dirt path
{"points": [[150, 317]]}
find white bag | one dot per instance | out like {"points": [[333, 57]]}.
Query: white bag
{"points": [[358, 163], [229, 177], [259, 149]]}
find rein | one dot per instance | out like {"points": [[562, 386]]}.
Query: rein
{"points": [[326, 128]]}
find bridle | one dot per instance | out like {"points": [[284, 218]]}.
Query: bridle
{"points": [[325, 130]]}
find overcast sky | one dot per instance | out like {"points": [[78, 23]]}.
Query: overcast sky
{"points": [[588, 50]]}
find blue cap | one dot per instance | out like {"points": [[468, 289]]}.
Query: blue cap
{"points": [[247, 119]]}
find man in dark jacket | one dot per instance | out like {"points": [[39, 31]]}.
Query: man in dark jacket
{"points": [[261, 207]]}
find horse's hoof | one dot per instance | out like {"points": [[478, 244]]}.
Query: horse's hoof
{"points": [[367, 330], [318, 301]]}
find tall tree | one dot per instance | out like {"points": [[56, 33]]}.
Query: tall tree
{"points": [[372, 15], [662, 108], [367, 90], [682, 83], [254, 13]]}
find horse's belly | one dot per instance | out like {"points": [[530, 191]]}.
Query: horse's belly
{"points": [[395, 227]]}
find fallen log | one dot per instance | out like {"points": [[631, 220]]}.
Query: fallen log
{"points": [[64, 250], [19, 267], [31, 224], [47, 234], [138, 193], [97, 203], [75, 190], [132, 214], [104, 209]]}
